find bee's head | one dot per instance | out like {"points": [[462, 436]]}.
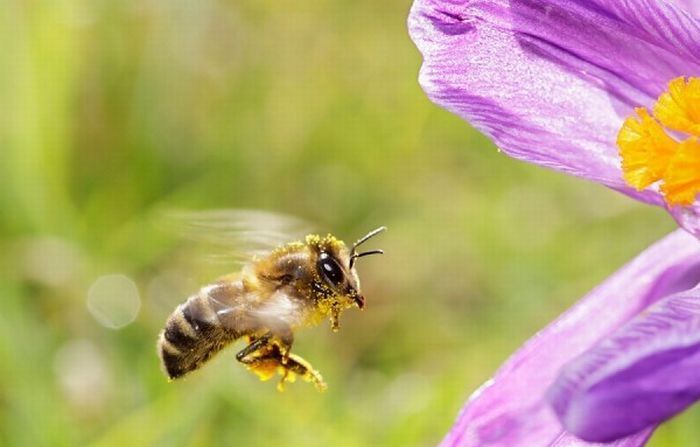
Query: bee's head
{"points": [[335, 268]]}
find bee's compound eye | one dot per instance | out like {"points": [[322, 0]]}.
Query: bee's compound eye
{"points": [[330, 268]]}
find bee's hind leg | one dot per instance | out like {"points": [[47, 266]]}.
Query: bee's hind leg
{"points": [[297, 365], [278, 333], [256, 345], [264, 358], [256, 357]]}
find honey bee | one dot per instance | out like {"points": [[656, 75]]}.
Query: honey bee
{"points": [[295, 285]]}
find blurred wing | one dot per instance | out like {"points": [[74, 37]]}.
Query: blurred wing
{"points": [[227, 304], [226, 236]]}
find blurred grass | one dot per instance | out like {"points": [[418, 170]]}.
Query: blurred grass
{"points": [[114, 111]]}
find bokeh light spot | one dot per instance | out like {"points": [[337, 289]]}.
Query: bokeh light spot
{"points": [[82, 374], [114, 300]]}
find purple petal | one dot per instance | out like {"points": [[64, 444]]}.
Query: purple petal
{"points": [[659, 22], [552, 81], [691, 6], [643, 374], [510, 409]]}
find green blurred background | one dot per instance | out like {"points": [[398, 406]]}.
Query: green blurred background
{"points": [[113, 111]]}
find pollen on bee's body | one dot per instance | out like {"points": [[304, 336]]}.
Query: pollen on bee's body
{"points": [[650, 155]]}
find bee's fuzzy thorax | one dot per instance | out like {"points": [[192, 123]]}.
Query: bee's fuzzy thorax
{"points": [[328, 243]]}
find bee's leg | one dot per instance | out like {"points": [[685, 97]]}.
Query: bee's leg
{"points": [[279, 333], [256, 356], [264, 358], [297, 365], [255, 345], [282, 337]]}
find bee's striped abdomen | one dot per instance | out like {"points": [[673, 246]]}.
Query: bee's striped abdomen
{"points": [[192, 335]]}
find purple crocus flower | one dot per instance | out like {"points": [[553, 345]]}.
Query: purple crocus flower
{"points": [[511, 409], [607, 90], [551, 81]]}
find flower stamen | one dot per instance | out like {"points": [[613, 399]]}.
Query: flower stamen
{"points": [[679, 107], [646, 149], [650, 155], [682, 178]]}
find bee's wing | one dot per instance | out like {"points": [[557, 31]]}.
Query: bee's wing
{"points": [[232, 235], [205, 245], [227, 304]]}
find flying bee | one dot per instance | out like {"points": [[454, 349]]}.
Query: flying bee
{"points": [[295, 285]]}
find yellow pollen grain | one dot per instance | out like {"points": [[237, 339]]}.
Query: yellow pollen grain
{"points": [[650, 155]]}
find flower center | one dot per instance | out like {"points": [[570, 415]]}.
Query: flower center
{"points": [[650, 155]]}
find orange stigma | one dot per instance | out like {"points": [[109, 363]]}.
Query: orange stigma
{"points": [[650, 155]]}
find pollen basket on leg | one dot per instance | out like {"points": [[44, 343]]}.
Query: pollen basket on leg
{"points": [[650, 155]]}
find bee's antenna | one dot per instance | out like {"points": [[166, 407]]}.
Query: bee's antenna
{"points": [[364, 253], [366, 237], [353, 253]]}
